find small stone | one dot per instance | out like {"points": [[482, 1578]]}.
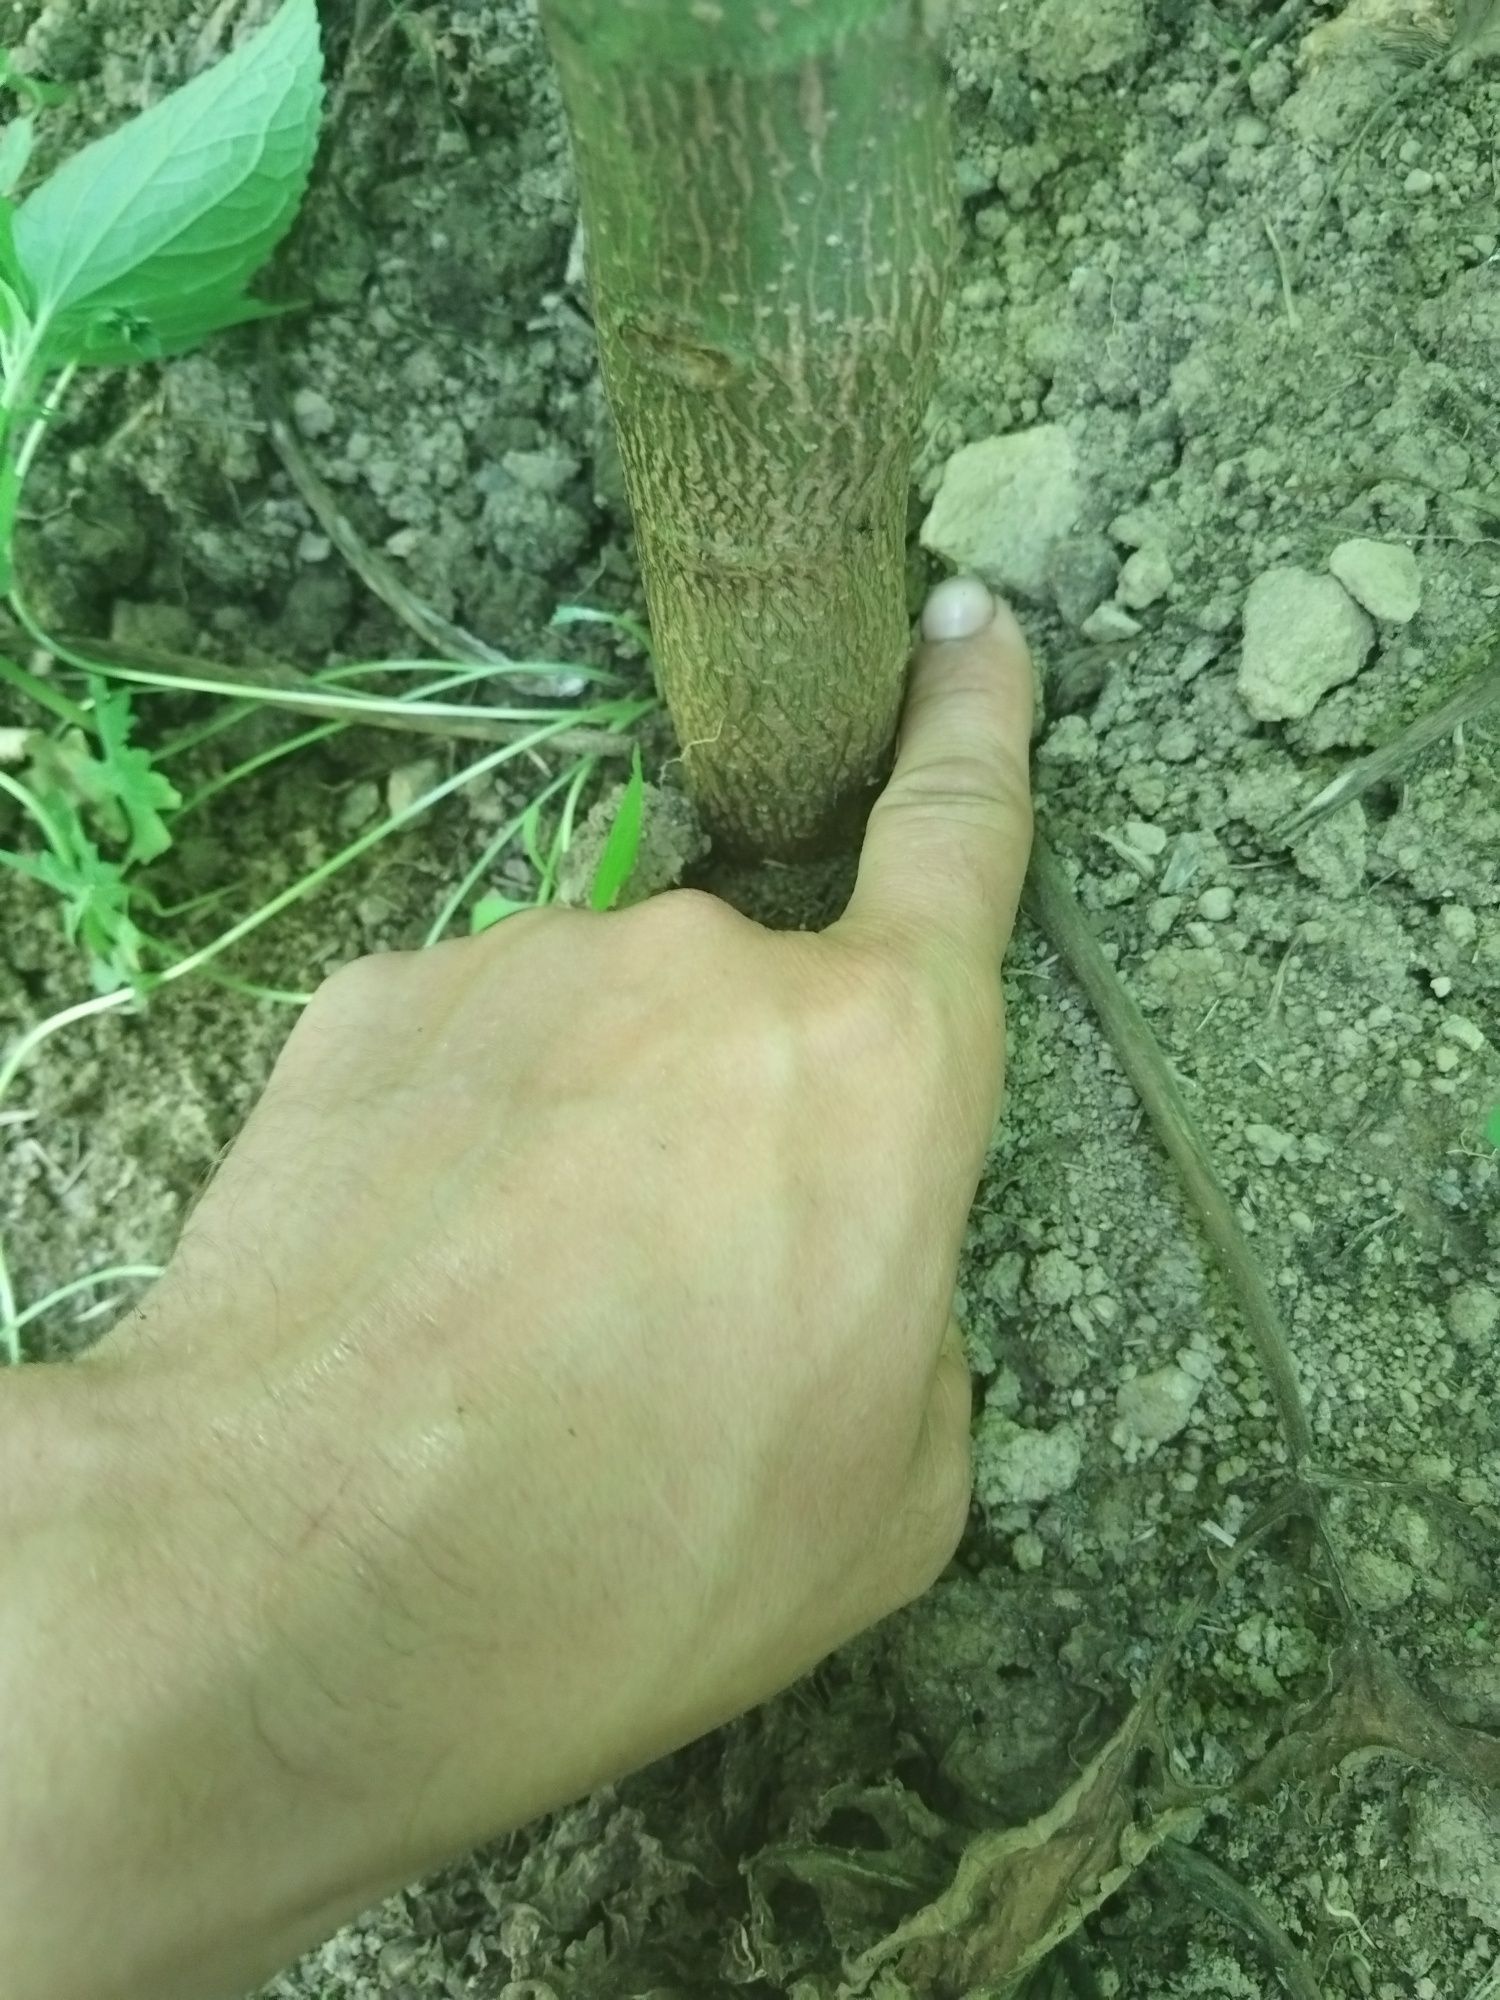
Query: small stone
{"points": [[359, 806], [1001, 1283], [1382, 576], [1459, 923], [1140, 528], [1156, 1407], [1379, 1582], [1145, 579], [1070, 741], [1453, 1836], [1304, 636], [1459, 1028], [1269, 83], [1109, 625], [1148, 840], [15, 745], [1216, 906], [313, 414], [1474, 1314], [1335, 853], [313, 548], [1419, 181], [1014, 1467], [548, 472], [1028, 1551], [1082, 574], [1067, 43], [1269, 1146], [410, 782], [1177, 743], [1004, 506], [1055, 1279]]}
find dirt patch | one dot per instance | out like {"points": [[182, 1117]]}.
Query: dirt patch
{"points": [[1249, 292]]}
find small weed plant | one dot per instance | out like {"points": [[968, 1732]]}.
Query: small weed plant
{"points": [[136, 248]]}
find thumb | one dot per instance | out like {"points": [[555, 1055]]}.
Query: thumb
{"points": [[946, 851]]}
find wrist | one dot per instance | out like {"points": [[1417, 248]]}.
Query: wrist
{"points": [[132, 1760]]}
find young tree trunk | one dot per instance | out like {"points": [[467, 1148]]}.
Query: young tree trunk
{"points": [[767, 194]]}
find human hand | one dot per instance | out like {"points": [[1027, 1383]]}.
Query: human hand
{"points": [[555, 1368]]}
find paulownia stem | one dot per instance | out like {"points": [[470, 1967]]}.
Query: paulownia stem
{"points": [[767, 192]]}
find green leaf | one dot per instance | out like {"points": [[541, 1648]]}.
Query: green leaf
{"points": [[175, 212], [95, 894], [492, 910], [583, 614], [623, 848], [1492, 1130], [12, 277], [137, 788], [42, 96], [126, 796], [119, 341], [15, 151]]}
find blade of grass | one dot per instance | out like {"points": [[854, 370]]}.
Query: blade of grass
{"points": [[56, 704], [494, 848]]}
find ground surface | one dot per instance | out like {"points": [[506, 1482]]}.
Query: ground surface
{"points": [[1251, 297]]}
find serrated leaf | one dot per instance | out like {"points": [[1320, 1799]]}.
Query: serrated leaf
{"points": [[16, 142], [136, 787], [623, 848], [127, 798], [177, 210]]}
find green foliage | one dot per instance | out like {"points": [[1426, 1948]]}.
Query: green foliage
{"points": [[41, 96], [146, 240], [140, 244], [121, 786], [103, 812], [494, 909], [622, 850], [16, 142], [1492, 1130]]}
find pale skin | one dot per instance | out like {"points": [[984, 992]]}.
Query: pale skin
{"points": [[560, 1364]]}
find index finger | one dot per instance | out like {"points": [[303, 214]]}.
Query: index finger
{"points": [[948, 842]]}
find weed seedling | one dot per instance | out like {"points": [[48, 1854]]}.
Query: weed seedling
{"points": [[622, 849]]}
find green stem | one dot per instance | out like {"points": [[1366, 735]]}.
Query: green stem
{"points": [[46, 697], [492, 849]]}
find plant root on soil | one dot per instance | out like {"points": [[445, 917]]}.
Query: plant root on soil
{"points": [[1392, 758]]}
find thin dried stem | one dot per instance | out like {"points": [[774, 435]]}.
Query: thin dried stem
{"points": [[1392, 758], [1055, 908], [441, 634], [289, 688]]}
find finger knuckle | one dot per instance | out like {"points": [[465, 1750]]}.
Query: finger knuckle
{"points": [[683, 916], [361, 982], [973, 790]]}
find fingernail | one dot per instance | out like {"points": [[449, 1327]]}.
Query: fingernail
{"points": [[961, 608]]}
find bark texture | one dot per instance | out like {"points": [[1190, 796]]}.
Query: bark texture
{"points": [[767, 193]]}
